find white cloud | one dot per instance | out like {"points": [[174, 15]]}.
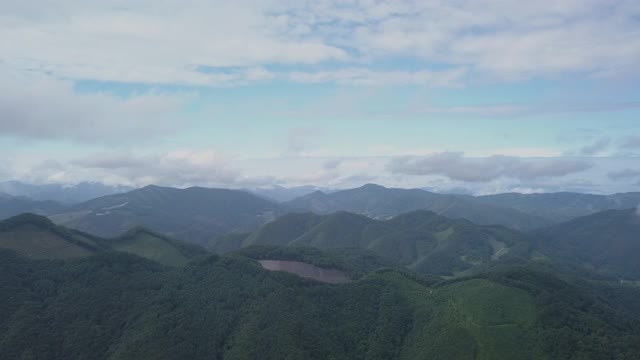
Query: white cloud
{"points": [[363, 76], [456, 166], [145, 42], [41, 107], [170, 43], [177, 168]]}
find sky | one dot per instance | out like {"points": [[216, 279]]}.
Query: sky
{"points": [[471, 96]]}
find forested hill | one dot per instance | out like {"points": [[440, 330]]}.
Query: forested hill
{"points": [[114, 305], [36, 237], [608, 242], [421, 240]]}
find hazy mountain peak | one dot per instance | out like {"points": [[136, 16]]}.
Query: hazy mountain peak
{"points": [[371, 186]]}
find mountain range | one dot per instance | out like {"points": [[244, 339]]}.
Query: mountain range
{"points": [[379, 202], [65, 194], [199, 215], [193, 214], [562, 206]]}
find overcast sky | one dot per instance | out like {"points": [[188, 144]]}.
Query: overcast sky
{"points": [[473, 95]]}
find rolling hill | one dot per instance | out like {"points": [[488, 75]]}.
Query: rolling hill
{"points": [[117, 306], [36, 237], [421, 240], [608, 242], [193, 214], [379, 202], [156, 247]]}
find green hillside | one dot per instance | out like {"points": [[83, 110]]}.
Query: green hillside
{"points": [[156, 247], [608, 242], [420, 240], [36, 237], [117, 306]]}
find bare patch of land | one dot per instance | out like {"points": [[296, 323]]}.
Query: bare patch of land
{"points": [[331, 276]]}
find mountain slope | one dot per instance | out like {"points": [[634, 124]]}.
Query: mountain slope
{"points": [[193, 214], [156, 247], [608, 242], [15, 205], [420, 240], [379, 202], [116, 306], [36, 237], [564, 206]]}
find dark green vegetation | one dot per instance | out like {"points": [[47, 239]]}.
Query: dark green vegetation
{"points": [[156, 247], [118, 306], [379, 202], [564, 206], [421, 240], [608, 242], [37, 237], [16, 205], [193, 214]]}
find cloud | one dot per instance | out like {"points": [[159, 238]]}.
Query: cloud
{"points": [[363, 76], [503, 40], [40, 107], [595, 148], [624, 174], [456, 166], [332, 164], [300, 140], [176, 168], [631, 142], [141, 42]]}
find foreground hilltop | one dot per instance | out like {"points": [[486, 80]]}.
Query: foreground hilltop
{"points": [[36, 237]]}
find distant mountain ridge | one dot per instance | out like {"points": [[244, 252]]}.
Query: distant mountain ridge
{"points": [[380, 202], [193, 214], [283, 194], [15, 205], [562, 206], [66, 194]]}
